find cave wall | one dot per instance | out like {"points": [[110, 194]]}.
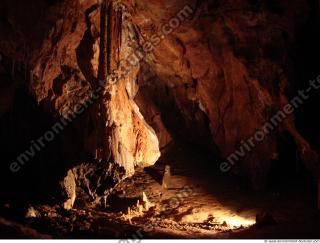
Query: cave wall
{"points": [[215, 80], [57, 57], [229, 68]]}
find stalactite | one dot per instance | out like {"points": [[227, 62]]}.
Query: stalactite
{"points": [[103, 76], [109, 35], [114, 36], [103, 40], [118, 33], [110, 45], [110, 41]]}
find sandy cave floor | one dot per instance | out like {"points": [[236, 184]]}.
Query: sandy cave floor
{"points": [[201, 202]]}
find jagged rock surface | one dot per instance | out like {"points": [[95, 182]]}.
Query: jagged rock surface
{"points": [[226, 72], [214, 81], [61, 51]]}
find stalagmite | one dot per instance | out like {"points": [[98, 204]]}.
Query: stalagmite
{"points": [[69, 189], [166, 177], [146, 203]]}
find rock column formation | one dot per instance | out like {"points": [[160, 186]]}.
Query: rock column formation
{"points": [[222, 73]]}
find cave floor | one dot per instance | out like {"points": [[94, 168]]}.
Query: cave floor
{"points": [[200, 202]]}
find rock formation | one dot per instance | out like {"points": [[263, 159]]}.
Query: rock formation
{"points": [[221, 73]]}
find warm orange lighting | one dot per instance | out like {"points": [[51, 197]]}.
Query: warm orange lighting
{"points": [[237, 221], [221, 216]]}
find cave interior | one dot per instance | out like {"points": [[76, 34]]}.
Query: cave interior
{"points": [[139, 119]]}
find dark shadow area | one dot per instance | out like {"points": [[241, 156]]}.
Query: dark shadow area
{"points": [[118, 204], [288, 167], [22, 124], [306, 60], [36, 173]]}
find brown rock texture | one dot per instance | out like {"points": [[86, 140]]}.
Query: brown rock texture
{"points": [[226, 69], [216, 79], [63, 59]]}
